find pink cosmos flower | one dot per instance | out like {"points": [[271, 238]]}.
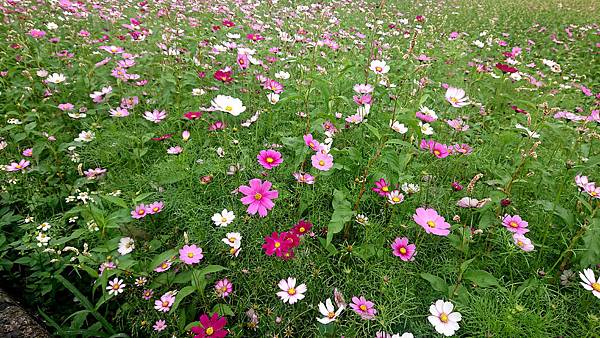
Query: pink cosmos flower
{"points": [[382, 187], [402, 249], [273, 85], [112, 49], [155, 116], [223, 288], [311, 142], [140, 211], [92, 174], [99, 96], [212, 327], [218, 125], [395, 197], [190, 254], [14, 166], [363, 307], [175, 150], [27, 152], [164, 266], [165, 302], [242, 60], [290, 293], [155, 207], [304, 178], [456, 97], [431, 222], [66, 106], [458, 125], [363, 88], [515, 224], [119, 112], [147, 294], [322, 161], [159, 325], [592, 190], [36, 33], [258, 196], [269, 159], [523, 242]]}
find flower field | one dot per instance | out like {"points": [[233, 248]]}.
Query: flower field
{"points": [[272, 168]]}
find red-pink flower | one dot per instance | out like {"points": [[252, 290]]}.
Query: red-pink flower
{"points": [[269, 159], [275, 244], [431, 222], [213, 327], [382, 187], [402, 249], [311, 142], [258, 197]]}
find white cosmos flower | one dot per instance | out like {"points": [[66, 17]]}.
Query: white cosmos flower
{"points": [[530, 133], [379, 67], [228, 104], [290, 293], [126, 245], [85, 136], [443, 319], [115, 286], [56, 78], [398, 127], [233, 239], [282, 75], [224, 218], [425, 128], [456, 97], [590, 282], [273, 98], [329, 312]]}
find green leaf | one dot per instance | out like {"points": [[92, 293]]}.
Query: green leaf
{"points": [[373, 130], [223, 310], [186, 291], [342, 213], [590, 254], [115, 200], [436, 282], [212, 269], [481, 278], [559, 211]]}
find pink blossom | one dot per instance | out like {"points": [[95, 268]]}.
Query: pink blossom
{"points": [[269, 159], [258, 197], [433, 223], [402, 249], [363, 307], [322, 161], [165, 302], [14, 166], [190, 254], [515, 224], [523, 242]]}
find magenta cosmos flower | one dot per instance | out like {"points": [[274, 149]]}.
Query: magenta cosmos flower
{"points": [[17, 166], [402, 249], [382, 187], [258, 197], [364, 308], [311, 142], [515, 224], [190, 254], [322, 161], [269, 159], [431, 222], [213, 327]]}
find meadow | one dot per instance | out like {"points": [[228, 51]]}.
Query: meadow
{"points": [[212, 168]]}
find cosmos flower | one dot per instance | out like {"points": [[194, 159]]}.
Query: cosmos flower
{"points": [[523, 242], [126, 245], [224, 218], [304, 178], [159, 325], [515, 224], [139, 211], [228, 104], [258, 197], [443, 319], [379, 67], [382, 187], [115, 286], [223, 288], [364, 308], [330, 314], [165, 302], [433, 223], [155, 116], [322, 161], [211, 327], [395, 197], [590, 282], [269, 159], [402, 249], [190, 254], [14, 166], [456, 97], [290, 293]]}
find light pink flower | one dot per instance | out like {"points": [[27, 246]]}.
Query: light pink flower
{"points": [[431, 222], [155, 116], [14, 166], [515, 224], [322, 161], [363, 307], [190, 254], [140, 211], [523, 242], [290, 293], [159, 325], [165, 302], [457, 97], [223, 288]]}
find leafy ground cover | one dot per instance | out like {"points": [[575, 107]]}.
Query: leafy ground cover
{"points": [[297, 169]]}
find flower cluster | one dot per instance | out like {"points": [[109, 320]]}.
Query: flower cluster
{"points": [[283, 244]]}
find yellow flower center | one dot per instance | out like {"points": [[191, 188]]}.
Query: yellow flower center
{"points": [[453, 100], [141, 211], [291, 291], [321, 162], [231, 239], [436, 152], [257, 196], [223, 289], [116, 286], [431, 224], [444, 317], [229, 108], [232, 250], [363, 307], [330, 315], [277, 244], [513, 224], [385, 189], [190, 254], [596, 286], [593, 193], [520, 243], [165, 303], [378, 69], [18, 166], [270, 160], [164, 265], [396, 199], [155, 209], [209, 331], [403, 251], [301, 229]]}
